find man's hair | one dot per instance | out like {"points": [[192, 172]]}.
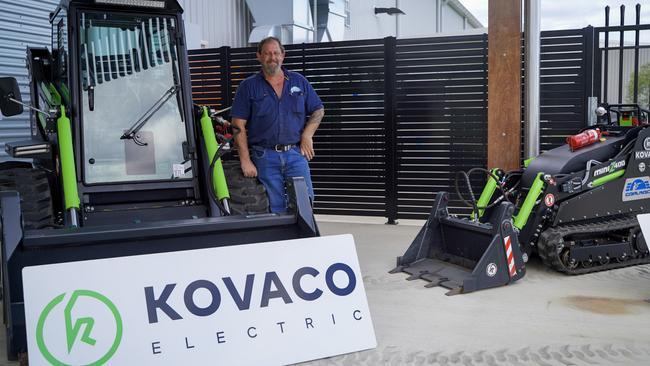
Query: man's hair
{"points": [[267, 40]]}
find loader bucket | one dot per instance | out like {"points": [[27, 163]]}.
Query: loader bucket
{"points": [[463, 255]]}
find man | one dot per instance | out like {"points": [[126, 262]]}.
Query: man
{"points": [[270, 108]]}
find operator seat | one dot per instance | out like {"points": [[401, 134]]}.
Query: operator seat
{"points": [[562, 160]]}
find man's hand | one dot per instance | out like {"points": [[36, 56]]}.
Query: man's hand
{"points": [[306, 140], [307, 147], [248, 168]]}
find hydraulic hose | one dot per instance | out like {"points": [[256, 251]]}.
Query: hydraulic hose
{"points": [[472, 203]]}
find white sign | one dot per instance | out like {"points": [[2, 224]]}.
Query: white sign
{"points": [[258, 304], [644, 222]]}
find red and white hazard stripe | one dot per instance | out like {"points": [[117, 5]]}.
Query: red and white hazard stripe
{"points": [[511, 258]]}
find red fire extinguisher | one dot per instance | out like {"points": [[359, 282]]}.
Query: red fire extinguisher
{"points": [[583, 139]]}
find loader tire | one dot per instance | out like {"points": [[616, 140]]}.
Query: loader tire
{"points": [[34, 190], [247, 195]]}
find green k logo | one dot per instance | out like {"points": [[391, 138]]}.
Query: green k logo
{"points": [[83, 326]]}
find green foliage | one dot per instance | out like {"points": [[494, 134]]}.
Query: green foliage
{"points": [[644, 86]]}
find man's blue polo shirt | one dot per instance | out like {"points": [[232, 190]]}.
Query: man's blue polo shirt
{"points": [[272, 120]]}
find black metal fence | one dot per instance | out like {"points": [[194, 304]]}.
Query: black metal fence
{"points": [[565, 68], [402, 116], [620, 59], [440, 117]]}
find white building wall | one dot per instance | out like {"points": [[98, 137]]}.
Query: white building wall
{"points": [[628, 71], [216, 23], [365, 24], [419, 19], [451, 21]]}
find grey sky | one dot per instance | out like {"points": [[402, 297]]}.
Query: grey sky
{"points": [[570, 14]]}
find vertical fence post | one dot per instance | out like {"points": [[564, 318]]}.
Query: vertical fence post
{"points": [[588, 77], [636, 53], [224, 68], [606, 57], [598, 67], [621, 50], [390, 129]]}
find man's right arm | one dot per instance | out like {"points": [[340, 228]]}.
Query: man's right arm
{"points": [[241, 140]]}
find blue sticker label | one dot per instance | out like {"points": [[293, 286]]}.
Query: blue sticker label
{"points": [[636, 189]]}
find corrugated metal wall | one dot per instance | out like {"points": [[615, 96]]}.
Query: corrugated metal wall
{"points": [[222, 22], [22, 24]]}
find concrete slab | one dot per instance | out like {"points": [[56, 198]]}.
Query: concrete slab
{"points": [[546, 319]]}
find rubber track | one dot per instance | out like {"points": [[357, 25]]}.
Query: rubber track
{"points": [[34, 190], [551, 244]]}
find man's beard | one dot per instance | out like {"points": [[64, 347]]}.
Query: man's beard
{"points": [[272, 69]]}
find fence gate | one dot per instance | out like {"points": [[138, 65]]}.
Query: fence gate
{"points": [[621, 63]]}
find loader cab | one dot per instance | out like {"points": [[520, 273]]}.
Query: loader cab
{"points": [[120, 67]]}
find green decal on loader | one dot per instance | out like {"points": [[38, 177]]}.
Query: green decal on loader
{"points": [[608, 178]]}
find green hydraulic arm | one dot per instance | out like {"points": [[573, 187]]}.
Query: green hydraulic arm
{"points": [[486, 195], [529, 203], [219, 184], [68, 170]]}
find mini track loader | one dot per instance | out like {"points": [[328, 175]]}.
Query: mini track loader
{"points": [[574, 206], [122, 162]]}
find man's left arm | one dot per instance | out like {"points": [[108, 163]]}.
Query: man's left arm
{"points": [[307, 138]]}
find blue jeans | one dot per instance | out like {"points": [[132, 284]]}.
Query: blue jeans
{"points": [[273, 170]]}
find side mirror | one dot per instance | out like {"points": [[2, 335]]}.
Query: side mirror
{"points": [[9, 90]]}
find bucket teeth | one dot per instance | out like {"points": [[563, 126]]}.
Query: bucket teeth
{"points": [[415, 276], [432, 284], [455, 291], [450, 284], [397, 269], [434, 278]]}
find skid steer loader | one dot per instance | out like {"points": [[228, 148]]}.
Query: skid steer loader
{"points": [[122, 162], [574, 206]]}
